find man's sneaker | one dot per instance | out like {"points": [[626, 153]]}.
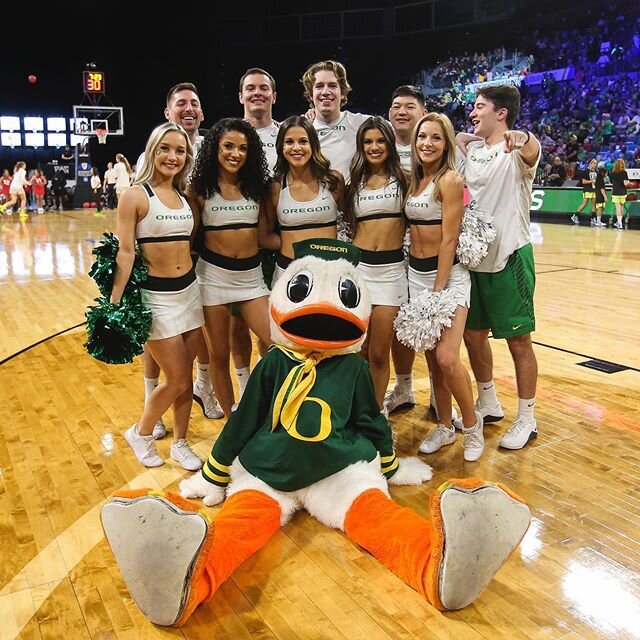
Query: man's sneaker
{"points": [[617, 225], [523, 430], [144, 447], [473, 439], [159, 430], [600, 224], [208, 403], [490, 413], [438, 438], [182, 453], [575, 219], [394, 400]]}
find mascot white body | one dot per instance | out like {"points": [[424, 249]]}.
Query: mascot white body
{"points": [[308, 434]]}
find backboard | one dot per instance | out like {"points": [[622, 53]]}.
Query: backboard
{"points": [[88, 118]]}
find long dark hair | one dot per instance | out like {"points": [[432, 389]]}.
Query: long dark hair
{"points": [[360, 169], [320, 166], [253, 175]]}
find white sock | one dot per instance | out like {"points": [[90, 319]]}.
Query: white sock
{"points": [[203, 379], [149, 385], [526, 407], [487, 393], [243, 377], [404, 382]]}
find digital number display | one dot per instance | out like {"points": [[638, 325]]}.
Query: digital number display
{"points": [[93, 81]]}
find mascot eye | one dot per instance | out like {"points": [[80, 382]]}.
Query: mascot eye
{"points": [[349, 293], [300, 286]]}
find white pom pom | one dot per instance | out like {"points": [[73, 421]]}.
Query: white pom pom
{"points": [[476, 234], [420, 321]]}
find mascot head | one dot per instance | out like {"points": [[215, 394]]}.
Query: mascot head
{"points": [[320, 302]]}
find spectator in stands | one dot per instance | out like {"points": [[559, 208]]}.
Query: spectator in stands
{"points": [[67, 155], [558, 173]]}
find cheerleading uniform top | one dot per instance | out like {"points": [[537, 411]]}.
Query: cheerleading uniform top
{"points": [[322, 211], [424, 209], [162, 223], [220, 214], [374, 204]]}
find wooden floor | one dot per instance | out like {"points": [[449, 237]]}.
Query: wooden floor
{"points": [[62, 453]]}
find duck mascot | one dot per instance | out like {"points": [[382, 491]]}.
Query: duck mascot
{"points": [[308, 434]]}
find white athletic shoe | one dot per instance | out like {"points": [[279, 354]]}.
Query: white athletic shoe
{"points": [[473, 440], [144, 447], [438, 438], [522, 431], [433, 406], [394, 400], [490, 413], [159, 430], [182, 453], [208, 403]]}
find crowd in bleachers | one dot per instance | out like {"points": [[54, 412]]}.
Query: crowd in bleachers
{"points": [[478, 67], [595, 114]]}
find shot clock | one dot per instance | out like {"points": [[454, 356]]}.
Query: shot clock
{"points": [[93, 82]]}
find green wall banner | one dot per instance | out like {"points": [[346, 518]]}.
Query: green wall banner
{"points": [[564, 200]]}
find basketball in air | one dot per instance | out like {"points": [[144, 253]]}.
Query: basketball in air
{"points": [[32, 79]]}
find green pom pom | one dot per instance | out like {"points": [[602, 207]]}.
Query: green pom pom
{"points": [[103, 270], [116, 333]]}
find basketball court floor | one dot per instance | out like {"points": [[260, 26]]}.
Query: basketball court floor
{"points": [[62, 454]]}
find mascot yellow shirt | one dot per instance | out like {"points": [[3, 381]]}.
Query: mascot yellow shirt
{"points": [[338, 423]]}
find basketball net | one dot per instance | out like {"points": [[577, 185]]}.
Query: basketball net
{"points": [[102, 135]]}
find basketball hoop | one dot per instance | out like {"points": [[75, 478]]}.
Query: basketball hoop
{"points": [[102, 135]]}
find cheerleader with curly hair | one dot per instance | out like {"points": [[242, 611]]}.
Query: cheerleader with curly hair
{"points": [[229, 188]]}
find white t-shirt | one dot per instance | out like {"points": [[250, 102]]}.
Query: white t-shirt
{"points": [[110, 176], [404, 153], [96, 183], [338, 139], [268, 137], [500, 183], [122, 176]]}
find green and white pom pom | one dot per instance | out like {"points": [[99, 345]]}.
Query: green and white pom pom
{"points": [[116, 333], [420, 321], [476, 234]]}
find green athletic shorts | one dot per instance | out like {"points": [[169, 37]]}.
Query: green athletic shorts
{"points": [[503, 301]]}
